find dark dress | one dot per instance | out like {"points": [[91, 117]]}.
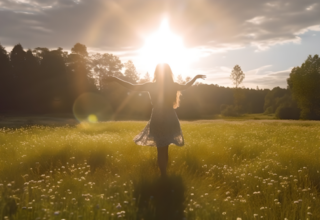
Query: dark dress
{"points": [[163, 127]]}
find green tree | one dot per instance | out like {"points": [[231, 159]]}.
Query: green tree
{"points": [[146, 78], [271, 101], [106, 65], [131, 73], [79, 68], [5, 66], [304, 83], [237, 75], [5, 80], [18, 60], [188, 78], [180, 79], [80, 49]]}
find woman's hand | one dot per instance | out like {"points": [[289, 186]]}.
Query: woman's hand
{"points": [[201, 77]]}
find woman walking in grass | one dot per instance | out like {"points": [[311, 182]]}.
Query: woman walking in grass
{"points": [[163, 127]]}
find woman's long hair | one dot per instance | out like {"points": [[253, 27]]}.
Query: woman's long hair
{"points": [[164, 76]]}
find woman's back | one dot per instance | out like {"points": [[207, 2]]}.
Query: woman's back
{"points": [[163, 95]]}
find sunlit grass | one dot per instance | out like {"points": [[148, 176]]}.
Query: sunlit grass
{"points": [[227, 170]]}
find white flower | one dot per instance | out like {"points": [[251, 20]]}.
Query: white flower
{"points": [[118, 206]]}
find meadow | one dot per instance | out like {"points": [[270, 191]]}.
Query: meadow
{"points": [[226, 170]]}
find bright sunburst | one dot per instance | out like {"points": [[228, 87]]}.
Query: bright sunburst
{"points": [[164, 46]]}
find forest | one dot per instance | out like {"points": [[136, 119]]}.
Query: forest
{"points": [[44, 81]]}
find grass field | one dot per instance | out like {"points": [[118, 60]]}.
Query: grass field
{"points": [[226, 170]]}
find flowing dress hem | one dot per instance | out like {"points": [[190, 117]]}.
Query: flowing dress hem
{"points": [[155, 145]]}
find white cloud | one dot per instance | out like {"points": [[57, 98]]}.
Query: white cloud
{"points": [[268, 79], [311, 28], [260, 76], [213, 26], [257, 20], [311, 7], [258, 70], [225, 69]]}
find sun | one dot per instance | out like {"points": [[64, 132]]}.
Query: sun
{"points": [[165, 47]]}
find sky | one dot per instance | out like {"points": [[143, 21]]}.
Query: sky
{"points": [[266, 38]]}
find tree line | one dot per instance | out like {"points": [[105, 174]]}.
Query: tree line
{"points": [[43, 81]]}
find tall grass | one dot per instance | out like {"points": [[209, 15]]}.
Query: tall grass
{"points": [[226, 170]]}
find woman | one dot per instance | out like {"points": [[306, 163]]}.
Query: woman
{"points": [[163, 128]]}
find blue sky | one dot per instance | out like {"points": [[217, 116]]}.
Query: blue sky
{"points": [[267, 68], [266, 38]]}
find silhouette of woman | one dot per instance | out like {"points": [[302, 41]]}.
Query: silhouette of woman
{"points": [[163, 127]]}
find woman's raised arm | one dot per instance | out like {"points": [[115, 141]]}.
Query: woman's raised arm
{"points": [[130, 86], [190, 83]]}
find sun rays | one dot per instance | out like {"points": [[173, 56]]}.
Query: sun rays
{"points": [[165, 47]]}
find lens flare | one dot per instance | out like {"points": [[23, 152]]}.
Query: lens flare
{"points": [[92, 118], [91, 108]]}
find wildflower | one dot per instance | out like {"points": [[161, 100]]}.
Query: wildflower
{"points": [[56, 213], [239, 218], [309, 213], [224, 213], [118, 206]]}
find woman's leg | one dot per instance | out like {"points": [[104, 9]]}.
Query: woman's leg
{"points": [[163, 159]]}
